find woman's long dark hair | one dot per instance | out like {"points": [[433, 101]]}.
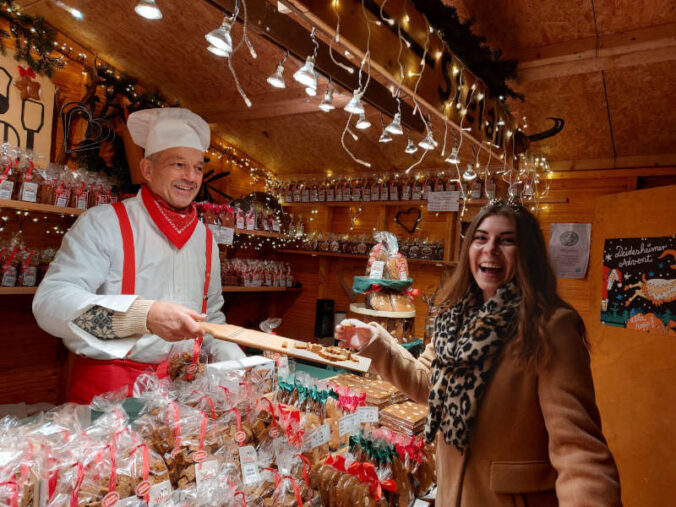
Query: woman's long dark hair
{"points": [[533, 275]]}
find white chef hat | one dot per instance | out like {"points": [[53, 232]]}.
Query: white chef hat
{"points": [[168, 127]]}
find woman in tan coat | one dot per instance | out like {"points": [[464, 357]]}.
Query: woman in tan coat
{"points": [[507, 378]]}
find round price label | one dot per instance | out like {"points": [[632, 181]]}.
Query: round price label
{"points": [[110, 499], [240, 437], [199, 456], [143, 488], [274, 432], [191, 369]]}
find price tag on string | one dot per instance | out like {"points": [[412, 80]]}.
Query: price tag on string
{"points": [[222, 235], [443, 201], [368, 414], [318, 436], [159, 493], [206, 470], [349, 424], [249, 462]]}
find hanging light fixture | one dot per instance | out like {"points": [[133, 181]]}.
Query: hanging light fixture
{"points": [[428, 142], [218, 51], [469, 174], [220, 37], [306, 75], [362, 123], [148, 9], [453, 157], [385, 136], [394, 128], [76, 13], [327, 102], [355, 106], [411, 148], [311, 92], [276, 79]]}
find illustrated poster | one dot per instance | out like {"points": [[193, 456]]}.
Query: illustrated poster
{"points": [[26, 107], [569, 249], [639, 284]]}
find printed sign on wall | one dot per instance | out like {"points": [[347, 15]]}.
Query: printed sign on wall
{"points": [[26, 107], [639, 284]]}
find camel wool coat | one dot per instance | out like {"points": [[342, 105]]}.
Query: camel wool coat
{"points": [[537, 438]]}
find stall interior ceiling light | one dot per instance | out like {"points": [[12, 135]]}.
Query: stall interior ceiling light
{"points": [[327, 102], [277, 77], [148, 9], [428, 142], [385, 137], [453, 157], [394, 128], [220, 37], [311, 92], [355, 106], [469, 174], [218, 51], [362, 122], [306, 75], [77, 14], [411, 148]]}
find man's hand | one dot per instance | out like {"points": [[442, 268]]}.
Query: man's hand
{"points": [[173, 322]]}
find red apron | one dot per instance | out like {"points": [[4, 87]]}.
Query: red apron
{"points": [[90, 377]]}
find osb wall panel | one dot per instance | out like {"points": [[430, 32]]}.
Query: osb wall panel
{"points": [[613, 16], [580, 101], [639, 124], [634, 372]]}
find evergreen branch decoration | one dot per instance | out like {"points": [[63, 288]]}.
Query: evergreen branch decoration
{"points": [[32, 36], [470, 48]]}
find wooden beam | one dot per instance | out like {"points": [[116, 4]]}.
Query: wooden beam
{"points": [[655, 161], [613, 173], [648, 45]]}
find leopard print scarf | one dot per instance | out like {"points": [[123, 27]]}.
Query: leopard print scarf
{"points": [[468, 339]]}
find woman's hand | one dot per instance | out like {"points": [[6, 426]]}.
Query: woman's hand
{"points": [[353, 334]]}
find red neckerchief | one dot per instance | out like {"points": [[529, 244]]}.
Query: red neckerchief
{"points": [[175, 225]]}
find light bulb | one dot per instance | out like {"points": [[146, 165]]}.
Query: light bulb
{"points": [[469, 174], [148, 9], [362, 122], [453, 157], [411, 148], [395, 127], [355, 106], [277, 77], [327, 103], [220, 37], [385, 137], [306, 75]]}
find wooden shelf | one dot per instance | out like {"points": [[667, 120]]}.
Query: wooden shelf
{"points": [[470, 202], [39, 208], [267, 234], [238, 288], [362, 257], [17, 290]]}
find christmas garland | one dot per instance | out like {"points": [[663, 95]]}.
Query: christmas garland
{"points": [[32, 35], [469, 47]]}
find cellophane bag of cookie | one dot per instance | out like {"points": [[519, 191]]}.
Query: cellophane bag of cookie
{"points": [[21, 464], [376, 266], [187, 360]]}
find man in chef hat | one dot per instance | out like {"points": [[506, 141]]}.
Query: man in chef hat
{"points": [[133, 277]]}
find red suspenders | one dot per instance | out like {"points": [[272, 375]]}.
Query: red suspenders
{"points": [[129, 263]]}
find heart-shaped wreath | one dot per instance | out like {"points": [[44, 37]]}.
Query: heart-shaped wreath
{"points": [[403, 218], [98, 130]]}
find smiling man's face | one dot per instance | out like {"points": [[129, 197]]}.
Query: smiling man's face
{"points": [[175, 174]]}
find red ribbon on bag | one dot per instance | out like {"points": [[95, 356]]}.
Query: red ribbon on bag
{"points": [[112, 483], [14, 501], [278, 478], [177, 424], [5, 173], [240, 436], [196, 347], [243, 497], [374, 288], [26, 71], [337, 462], [145, 471], [306, 468], [411, 293], [78, 483], [211, 405], [296, 490]]}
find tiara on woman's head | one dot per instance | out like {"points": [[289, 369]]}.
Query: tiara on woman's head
{"points": [[513, 202]]}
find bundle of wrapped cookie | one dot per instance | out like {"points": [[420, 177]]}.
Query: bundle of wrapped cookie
{"points": [[379, 393], [407, 418], [387, 281]]}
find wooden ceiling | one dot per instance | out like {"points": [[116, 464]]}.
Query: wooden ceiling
{"points": [[608, 70]]}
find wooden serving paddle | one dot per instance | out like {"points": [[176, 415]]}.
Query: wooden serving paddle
{"points": [[286, 346]]}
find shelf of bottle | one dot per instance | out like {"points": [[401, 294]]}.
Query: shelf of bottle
{"points": [[237, 288], [422, 202], [362, 257], [39, 208], [6, 291]]}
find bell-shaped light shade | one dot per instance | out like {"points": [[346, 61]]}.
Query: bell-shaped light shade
{"points": [[355, 106], [218, 51], [327, 102], [220, 37], [311, 92], [411, 148], [453, 157], [385, 137], [306, 75], [394, 128], [469, 174], [148, 9], [362, 122], [428, 142], [277, 77]]}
